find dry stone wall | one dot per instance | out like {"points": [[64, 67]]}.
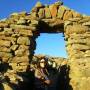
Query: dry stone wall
{"points": [[17, 44], [56, 10], [19, 31], [77, 32]]}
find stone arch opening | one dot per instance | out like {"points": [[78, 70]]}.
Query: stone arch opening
{"points": [[52, 28], [60, 81]]}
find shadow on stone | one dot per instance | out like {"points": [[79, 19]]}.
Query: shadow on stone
{"points": [[28, 81], [63, 79], [1, 87]]}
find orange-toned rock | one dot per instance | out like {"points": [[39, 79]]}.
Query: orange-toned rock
{"points": [[53, 10]]}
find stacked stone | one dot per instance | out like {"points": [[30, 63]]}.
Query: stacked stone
{"points": [[19, 31], [56, 10], [17, 42], [77, 36]]}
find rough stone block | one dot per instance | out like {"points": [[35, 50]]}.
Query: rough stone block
{"points": [[5, 49], [47, 12], [22, 52], [86, 23], [78, 29], [8, 31], [41, 13], [61, 12], [14, 47], [23, 41], [76, 41], [53, 10], [6, 55], [24, 47], [20, 59], [76, 54], [23, 27], [15, 35], [80, 47], [68, 15], [23, 32], [5, 43], [21, 21], [34, 22], [8, 38], [3, 25]]}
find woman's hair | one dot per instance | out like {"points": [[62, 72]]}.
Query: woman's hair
{"points": [[38, 64]]}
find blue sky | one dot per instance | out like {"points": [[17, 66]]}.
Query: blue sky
{"points": [[53, 42]]}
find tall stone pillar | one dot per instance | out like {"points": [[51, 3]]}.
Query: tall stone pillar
{"points": [[17, 45], [77, 36]]}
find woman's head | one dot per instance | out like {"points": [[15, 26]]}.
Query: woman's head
{"points": [[43, 63]]}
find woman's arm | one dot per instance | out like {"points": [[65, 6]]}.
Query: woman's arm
{"points": [[48, 82]]}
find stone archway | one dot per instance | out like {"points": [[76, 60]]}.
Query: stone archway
{"points": [[19, 31]]}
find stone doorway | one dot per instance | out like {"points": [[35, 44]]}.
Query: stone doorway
{"points": [[62, 77]]}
